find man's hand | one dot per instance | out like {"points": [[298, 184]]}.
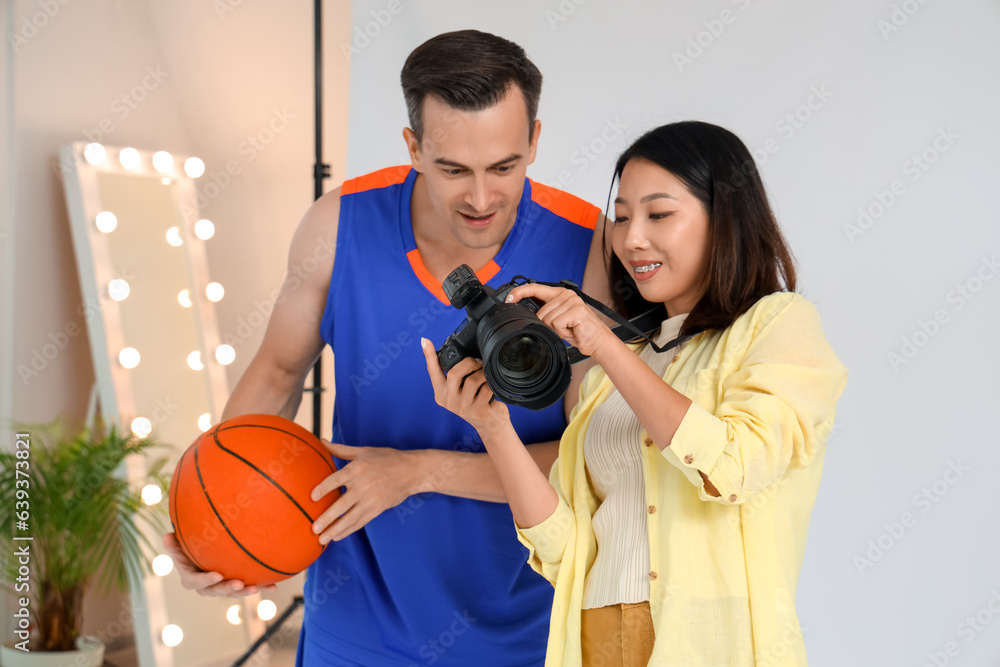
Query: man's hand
{"points": [[375, 479], [209, 584]]}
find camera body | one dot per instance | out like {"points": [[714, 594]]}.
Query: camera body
{"points": [[524, 361]]}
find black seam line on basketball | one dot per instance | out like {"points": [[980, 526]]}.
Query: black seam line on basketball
{"points": [[264, 475], [329, 464], [223, 523], [177, 513]]}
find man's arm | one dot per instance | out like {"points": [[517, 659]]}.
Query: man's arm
{"points": [[272, 383]]}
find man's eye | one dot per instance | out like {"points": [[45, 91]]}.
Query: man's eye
{"points": [[505, 169]]}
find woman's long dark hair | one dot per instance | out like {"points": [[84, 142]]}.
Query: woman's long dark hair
{"points": [[748, 255]]}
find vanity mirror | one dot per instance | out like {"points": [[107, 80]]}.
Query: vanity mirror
{"points": [[148, 303]]}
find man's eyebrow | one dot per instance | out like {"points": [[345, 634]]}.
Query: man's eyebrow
{"points": [[444, 162], [648, 198]]}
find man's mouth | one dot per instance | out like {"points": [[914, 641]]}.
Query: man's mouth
{"points": [[478, 220]]}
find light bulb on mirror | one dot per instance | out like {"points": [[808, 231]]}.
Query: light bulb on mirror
{"points": [[141, 427], [174, 237], [194, 361], [163, 161], [151, 494], [106, 221], [129, 357], [172, 635], [204, 229], [194, 167], [225, 354], [205, 422], [118, 289], [266, 610], [94, 153], [184, 298], [163, 565], [233, 615], [130, 158], [214, 292]]}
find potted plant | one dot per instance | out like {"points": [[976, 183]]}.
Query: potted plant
{"points": [[69, 520]]}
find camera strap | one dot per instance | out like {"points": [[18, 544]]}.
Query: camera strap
{"points": [[628, 331]]}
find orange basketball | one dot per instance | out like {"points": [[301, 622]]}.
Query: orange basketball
{"points": [[239, 498]]}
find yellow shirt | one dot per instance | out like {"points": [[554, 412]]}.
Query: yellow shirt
{"points": [[723, 570]]}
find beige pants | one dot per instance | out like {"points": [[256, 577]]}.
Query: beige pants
{"points": [[617, 636]]}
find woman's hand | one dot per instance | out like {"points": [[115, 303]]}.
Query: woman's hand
{"points": [[566, 314], [464, 391]]}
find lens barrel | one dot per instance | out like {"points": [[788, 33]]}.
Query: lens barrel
{"points": [[524, 361]]}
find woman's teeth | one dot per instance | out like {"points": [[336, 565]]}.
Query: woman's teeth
{"points": [[648, 267]]}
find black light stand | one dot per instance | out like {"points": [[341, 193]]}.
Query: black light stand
{"points": [[320, 171]]}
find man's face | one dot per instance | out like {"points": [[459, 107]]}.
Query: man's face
{"points": [[474, 163]]}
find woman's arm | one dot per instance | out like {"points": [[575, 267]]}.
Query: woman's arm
{"points": [[464, 391]]}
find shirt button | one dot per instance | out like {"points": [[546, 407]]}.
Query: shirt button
{"points": [[652, 509], [689, 459], [676, 357], [652, 575], [648, 442], [732, 498]]}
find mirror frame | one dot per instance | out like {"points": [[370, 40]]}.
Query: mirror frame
{"points": [[114, 390]]}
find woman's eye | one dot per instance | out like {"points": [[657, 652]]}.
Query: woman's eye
{"points": [[659, 216], [617, 220]]}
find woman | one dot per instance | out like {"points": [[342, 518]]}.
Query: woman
{"points": [[674, 521]]}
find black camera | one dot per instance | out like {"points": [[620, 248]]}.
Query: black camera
{"points": [[525, 362]]}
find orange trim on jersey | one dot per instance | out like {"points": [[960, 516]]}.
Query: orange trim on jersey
{"points": [[382, 178], [433, 285], [565, 205]]}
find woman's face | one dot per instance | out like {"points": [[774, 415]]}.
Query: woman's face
{"points": [[660, 234]]}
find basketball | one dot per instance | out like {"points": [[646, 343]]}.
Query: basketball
{"points": [[240, 498]]}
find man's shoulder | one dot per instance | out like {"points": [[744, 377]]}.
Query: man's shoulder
{"points": [[376, 180], [564, 205]]}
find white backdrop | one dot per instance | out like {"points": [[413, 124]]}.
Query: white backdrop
{"points": [[875, 126]]}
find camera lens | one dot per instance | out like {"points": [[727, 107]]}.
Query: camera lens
{"points": [[523, 359]]}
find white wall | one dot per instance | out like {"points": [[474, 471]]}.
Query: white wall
{"points": [[880, 95]]}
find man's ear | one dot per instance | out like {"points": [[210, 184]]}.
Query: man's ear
{"points": [[533, 145], [412, 147]]}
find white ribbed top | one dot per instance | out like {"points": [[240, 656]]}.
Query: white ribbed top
{"points": [[614, 464]]}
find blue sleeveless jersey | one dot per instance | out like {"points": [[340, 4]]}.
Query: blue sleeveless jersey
{"points": [[438, 579]]}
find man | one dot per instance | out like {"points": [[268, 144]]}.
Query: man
{"points": [[439, 577]]}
